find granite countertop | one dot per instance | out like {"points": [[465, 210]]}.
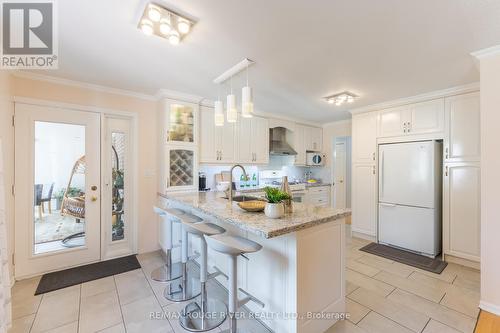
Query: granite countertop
{"points": [[212, 204], [317, 184]]}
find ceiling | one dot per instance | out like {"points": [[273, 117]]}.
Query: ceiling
{"points": [[304, 50]]}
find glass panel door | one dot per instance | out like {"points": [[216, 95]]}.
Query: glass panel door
{"points": [[181, 169]]}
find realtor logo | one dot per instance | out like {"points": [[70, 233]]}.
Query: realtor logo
{"points": [[29, 35]]}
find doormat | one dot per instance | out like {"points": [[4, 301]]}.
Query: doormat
{"points": [[73, 276], [405, 257]]}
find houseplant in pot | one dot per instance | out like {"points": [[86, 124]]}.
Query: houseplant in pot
{"points": [[274, 206]]}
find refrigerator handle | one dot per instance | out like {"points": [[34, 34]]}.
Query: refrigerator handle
{"points": [[382, 175]]}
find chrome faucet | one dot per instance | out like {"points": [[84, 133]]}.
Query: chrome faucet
{"points": [[230, 190]]}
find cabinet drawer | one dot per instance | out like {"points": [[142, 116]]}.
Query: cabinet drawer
{"points": [[319, 189]]}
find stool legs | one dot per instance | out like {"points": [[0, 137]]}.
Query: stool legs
{"points": [[233, 292], [186, 287], [168, 271], [205, 314]]}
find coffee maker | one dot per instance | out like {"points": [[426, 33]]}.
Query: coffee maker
{"points": [[202, 182]]}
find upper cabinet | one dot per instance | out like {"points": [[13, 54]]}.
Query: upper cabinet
{"points": [[313, 138], [180, 121], [217, 142], [252, 140], [299, 144], [420, 118], [364, 137], [462, 138]]}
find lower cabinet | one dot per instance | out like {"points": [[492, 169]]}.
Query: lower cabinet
{"points": [[318, 196], [364, 199], [461, 210]]}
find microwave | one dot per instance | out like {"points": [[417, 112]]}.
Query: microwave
{"points": [[315, 159]]}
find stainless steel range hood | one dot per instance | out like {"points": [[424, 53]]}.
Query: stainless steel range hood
{"points": [[278, 144]]}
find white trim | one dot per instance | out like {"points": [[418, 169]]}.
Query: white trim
{"points": [[467, 88], [338, 122], [177, 95], [489, 307], [288, 118], [84, 85], [487, 52]]}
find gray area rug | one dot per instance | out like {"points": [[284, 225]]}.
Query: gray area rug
{"points": [[405, 257]]}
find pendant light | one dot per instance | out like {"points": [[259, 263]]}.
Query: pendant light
{"points": [[232, 111], [219, 111], [247, 100]]}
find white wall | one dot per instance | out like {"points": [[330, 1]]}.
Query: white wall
{"points": [[490, 182]]}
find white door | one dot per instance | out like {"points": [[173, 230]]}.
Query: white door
{"points": [[364, 137], [364, 199], [462, 210], [407, 174], [340, 175], [57, 191], [118, 188]]}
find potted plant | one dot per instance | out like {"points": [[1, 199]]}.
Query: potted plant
{"points": [[274, 206]]}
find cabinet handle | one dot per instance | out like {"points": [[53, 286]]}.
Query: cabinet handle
{"points": [[374, 169], [409, 127], [254, 157], [404, 127], [446, 153], [446, 171], [373, 156], [221, 155]]}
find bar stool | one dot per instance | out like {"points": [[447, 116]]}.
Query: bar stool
{"points": [[187, 287], [233, 246], [207, 313], [169, 271]]}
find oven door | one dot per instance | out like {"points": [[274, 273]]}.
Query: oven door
{"points": [[299, 196]]}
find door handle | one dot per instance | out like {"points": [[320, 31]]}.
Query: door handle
{"points": [[446, 171], [93, 199]]}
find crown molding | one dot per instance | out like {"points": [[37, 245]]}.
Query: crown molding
{"points": [[338, 122], [487, 52], [463, 89], [84, 85], [180, 96]]}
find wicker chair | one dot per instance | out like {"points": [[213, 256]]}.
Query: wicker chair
{"points": [[74, 206]]}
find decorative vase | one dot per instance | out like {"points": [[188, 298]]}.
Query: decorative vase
{"points": [[274, 210]]}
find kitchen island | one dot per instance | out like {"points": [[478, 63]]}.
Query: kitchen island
{"points": [[298, 274]]}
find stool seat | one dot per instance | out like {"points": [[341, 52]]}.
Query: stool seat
{"points": [[188, 218], [233, 245], [205, 228], [175, 212]]}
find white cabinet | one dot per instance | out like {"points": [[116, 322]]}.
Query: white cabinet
{"points": [[180, 168], [419, 118], [313, 138], [299, 144], [253, 141], [217, 142], [461, 210], [364, 137], [364, 199], [180, 121], [318, 196], [462, 139]]}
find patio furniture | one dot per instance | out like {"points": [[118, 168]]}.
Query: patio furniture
{"points": [[74, 206], [38, 200], [47, 197]]}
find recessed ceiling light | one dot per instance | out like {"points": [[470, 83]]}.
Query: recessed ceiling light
{"points": [[160, 21], [341, 98]]}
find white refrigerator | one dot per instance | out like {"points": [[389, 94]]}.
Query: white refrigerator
{"points": [[410, 183]]}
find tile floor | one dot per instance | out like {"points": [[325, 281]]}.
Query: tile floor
{"points": [[382, 296]]}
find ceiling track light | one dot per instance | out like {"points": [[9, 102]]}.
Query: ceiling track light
{"points": [[165, 23], [341, 98]]}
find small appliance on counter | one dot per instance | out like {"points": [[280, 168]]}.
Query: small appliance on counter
{"points": [[315, 159], [202, 182]]}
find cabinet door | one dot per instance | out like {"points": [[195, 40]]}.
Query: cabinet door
{"points": [[299, 145], [180, 122], [225, 145], [393, 121], [461, 205], [426, 117], [317, 138], [308, 140], [245, 141], [364, 137], [462, 138], [181, 168], [260, 138], [208, 151], [364, 218]]}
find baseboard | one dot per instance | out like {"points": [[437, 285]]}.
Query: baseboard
{"points": [[491, 308], [363, 236], [462, 261]]}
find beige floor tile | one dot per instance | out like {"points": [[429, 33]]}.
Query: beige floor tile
{"points": [[24, 301], [120, 328], [132, 286], [350, 287], [436, 311], [99, 311], [353, 254], [437, 327], [447, 275], [391, 267], [359, 279], [57, 309], [356, 311], [172, 312], [98, 286], [68, 328], [432, 293], [22, 325], [145, 315], [468, 278], [345, 326], [361, 268], [399, 313], [375, 323]]}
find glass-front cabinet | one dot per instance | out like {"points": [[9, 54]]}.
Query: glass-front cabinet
{"points": [[179, 145]]}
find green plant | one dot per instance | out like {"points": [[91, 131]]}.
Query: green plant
{"points": [[72, 192], [275, 195]]}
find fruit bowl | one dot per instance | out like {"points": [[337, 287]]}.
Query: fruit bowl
{"points": [[252, 205]]}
